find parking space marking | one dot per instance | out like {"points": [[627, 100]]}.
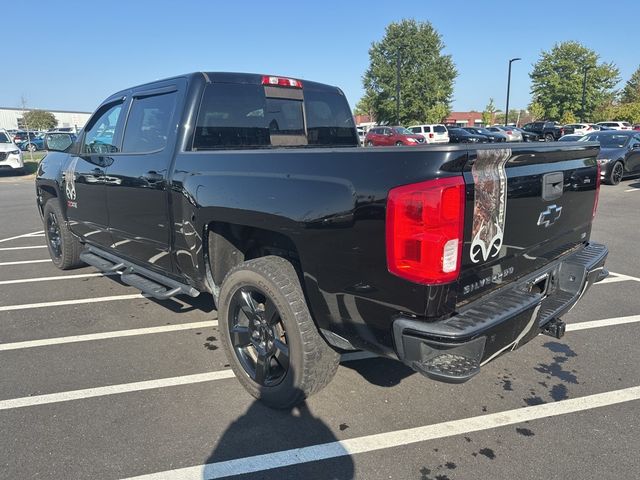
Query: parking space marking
{"points": [[47, 279], [397, 438], [607, 322], [105, 335], [7, 308], [618, 277], [222, 374], [113, 389], [22, 248], [24, 262], [39, 233]]}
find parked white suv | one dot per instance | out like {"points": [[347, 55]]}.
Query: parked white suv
{"points": [[434, 133], [10, 154], [580, 128], [616, 125]]}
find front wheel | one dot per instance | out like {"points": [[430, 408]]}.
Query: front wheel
{"points": [[617, 172], [270, 339], [549, 137], [64, 247], [369, 143]]}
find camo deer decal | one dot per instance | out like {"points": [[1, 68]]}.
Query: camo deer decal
{"points": [[490, 203]]}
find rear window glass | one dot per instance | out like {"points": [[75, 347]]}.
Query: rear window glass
{"points": [[439, 129], [241, 116], [415, 129]]}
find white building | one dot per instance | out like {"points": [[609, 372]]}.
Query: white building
{"points": [[11, 118]]}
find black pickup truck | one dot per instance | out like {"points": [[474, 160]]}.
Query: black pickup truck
{"points": [[253, 188], [547, 131]]}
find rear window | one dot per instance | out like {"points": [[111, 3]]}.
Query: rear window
{"points": [[241, 116], [417, 129], [439, 129]]}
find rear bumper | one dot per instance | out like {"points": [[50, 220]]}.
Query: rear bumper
{"points": [[454, 349]]}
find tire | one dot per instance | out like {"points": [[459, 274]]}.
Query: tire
{"points": [[369, 143], [549, 137], [32, 148], [64, 247], [269, 290], [617, 172], [399, 144]]}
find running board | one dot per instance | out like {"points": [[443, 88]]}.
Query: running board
{"points": [[151, 283]]}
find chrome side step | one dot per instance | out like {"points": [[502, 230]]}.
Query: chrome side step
{"points": [[153, 284]]}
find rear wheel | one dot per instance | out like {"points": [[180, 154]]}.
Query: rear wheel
{"points": [[369, 143], [271, 342], [617, 172], [64, 247], [549, 137], [31, 147], [399, 144]]}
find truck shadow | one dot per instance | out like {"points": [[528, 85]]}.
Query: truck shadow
{"points": [[270, 444], [384, 372]]}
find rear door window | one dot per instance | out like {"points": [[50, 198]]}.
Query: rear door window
{"points": [[329, 119], [149, 122]]}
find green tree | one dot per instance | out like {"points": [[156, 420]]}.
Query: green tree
{"points": [[568, 117], [536, 110], [556, 80], [426, 74], [39, 119], [631, 91], [629, 112], [364, 105], [489, 113]]}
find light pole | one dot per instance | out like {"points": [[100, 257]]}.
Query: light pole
{"points": [[584, 90], [506, 113], [398, 88]]}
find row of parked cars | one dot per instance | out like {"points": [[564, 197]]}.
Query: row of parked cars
{"points": [[33, 140], [619, 141], [439, 133]]}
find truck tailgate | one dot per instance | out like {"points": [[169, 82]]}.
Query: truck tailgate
{"points": [[525, 206]]}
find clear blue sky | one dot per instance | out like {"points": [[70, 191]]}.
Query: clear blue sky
{"points": [[78, 53]]}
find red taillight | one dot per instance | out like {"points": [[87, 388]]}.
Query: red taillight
{"points": [[595, 202], [431, 135], [424, 228], [561, 131], [509, 132], [281, 81]]}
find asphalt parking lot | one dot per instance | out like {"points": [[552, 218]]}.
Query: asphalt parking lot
{"points": [[97, 381]]}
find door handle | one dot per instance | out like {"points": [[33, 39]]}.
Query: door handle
{"points": [[153, 177]]}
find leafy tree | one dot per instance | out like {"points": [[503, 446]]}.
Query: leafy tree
{"points": [[39, 119], [631, 91], [556, 80], [426, 74], [500, 119], [536, 110], [489, 113], [365, 106], [629, 112]]}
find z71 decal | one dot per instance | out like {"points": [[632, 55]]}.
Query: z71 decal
{"points": [[490, 203], [69, 178]]}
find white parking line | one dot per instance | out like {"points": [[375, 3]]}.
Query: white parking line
{"points": [[607, 322], [46, 279], [618, 277], [25, 235], [81, 301], [381, 441], [105, 335], [218, 375], [24, 262], [6, 249], [113, 389]]}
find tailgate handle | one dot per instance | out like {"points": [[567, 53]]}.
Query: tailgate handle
{"points": [[552, 185]]}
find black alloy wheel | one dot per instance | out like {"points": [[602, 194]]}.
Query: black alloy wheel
{"points": [[549, 137], [53, 236], [258, 336], [617, 172]]}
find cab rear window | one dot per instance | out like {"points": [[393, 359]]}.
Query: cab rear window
{"points": [[242, 116]]}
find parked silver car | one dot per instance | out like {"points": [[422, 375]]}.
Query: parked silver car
{"points": [[512, 134]]}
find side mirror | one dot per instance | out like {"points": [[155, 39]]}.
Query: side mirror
{"points": [[57, 142], [635, 146]]}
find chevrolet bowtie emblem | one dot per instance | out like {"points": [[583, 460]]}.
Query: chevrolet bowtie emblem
{"points": [[549, 216]]}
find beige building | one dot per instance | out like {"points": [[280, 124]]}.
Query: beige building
{"points": [[11, 118]]}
